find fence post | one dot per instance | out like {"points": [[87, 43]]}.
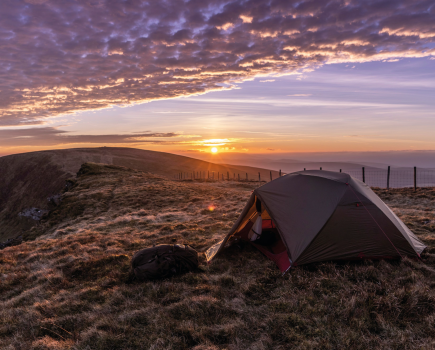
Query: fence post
{"points": [[305, 169], [271, 175], [415, 179], [259, 177], [279, 172], [320, 168], [388, 179], [340, 170], [364, 175]]}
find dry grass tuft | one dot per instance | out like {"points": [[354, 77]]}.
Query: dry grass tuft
{"points": [[69, 288]]}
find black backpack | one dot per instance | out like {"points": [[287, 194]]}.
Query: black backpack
{"points": [[163, 261]]}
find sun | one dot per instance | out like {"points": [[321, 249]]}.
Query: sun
{"points": [[214, 150]]}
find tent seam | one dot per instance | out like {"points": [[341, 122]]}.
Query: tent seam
{"points": [[375, 220], [326, 223]]}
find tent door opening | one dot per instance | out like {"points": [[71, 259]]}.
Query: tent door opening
{"points": [[269, 243]]}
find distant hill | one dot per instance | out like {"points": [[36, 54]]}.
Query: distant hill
{"points": [[27, 180], [289, 165]]}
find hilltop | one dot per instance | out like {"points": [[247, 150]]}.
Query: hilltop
{"points": [[32, 180], [69, 288]]}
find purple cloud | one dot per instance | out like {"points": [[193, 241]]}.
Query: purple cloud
{"points": [[49, 136], [64, 56]]}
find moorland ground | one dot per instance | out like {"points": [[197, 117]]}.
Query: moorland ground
{"points": [[67, 287], [29, 179]]}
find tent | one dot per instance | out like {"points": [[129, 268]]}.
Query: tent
{"points": [[318, 215]]}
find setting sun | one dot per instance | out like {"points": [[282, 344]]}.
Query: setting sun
{"points": [[214, 150]]}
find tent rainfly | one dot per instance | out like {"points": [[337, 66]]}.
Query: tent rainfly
{"points": [[312, 216]]}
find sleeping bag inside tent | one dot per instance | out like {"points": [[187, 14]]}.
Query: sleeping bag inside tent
{"points": [[319, 215]]}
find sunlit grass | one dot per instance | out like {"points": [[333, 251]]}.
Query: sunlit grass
{"points": [[69, 288]]}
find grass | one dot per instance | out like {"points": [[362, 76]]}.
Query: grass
{"points": [[67, 286]]}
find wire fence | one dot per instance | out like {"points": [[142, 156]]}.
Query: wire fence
{"points": [[382, 178], [395, 178]]}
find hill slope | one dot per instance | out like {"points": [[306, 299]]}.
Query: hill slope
{"points": [[68, 288], [28, 179]]}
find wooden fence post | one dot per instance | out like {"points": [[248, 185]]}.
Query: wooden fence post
{"points": [[415, 179], [305, 169], [364, 174], [320, 168], [259, 177], [340, 170], [388, 179], [271, 175], [279, 172]]}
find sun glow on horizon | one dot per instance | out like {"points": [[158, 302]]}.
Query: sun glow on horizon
{"points": [[214, 150]]}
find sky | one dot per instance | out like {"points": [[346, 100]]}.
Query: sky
{"points": [[267, 77]]}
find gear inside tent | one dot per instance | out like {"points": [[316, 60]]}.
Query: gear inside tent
{"points": [[318, 215]]}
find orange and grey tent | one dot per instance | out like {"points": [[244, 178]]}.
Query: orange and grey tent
{"points": [[319, 216]]}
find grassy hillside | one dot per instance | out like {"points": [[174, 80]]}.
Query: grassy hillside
{"points": [[69, 288], [28, 179]]}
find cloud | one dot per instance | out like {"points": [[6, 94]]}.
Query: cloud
{"points": [[62, 57], [300, 95], [267, 81], [212, 142], [49, 136]]}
